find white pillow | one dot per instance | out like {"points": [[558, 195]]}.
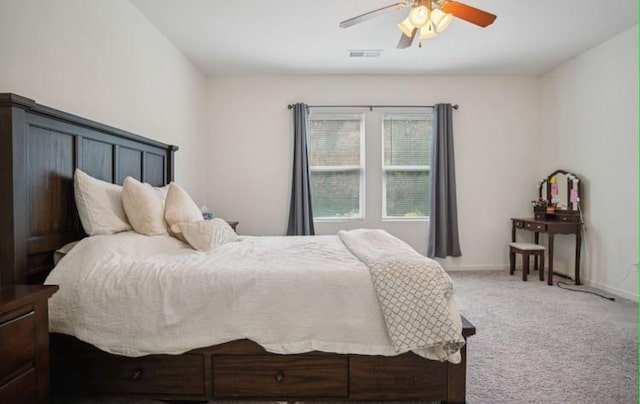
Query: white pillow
{"points": [[162, 191], [206, 235], [144, 207], [99, 205], [179, 207]]}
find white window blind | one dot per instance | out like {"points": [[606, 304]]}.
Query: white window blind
{"points": [[336, 149], [406, 165]]}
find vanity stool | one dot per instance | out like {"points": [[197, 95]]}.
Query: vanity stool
{"points": [[526, 249]]}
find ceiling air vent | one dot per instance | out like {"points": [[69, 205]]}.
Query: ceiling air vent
{"points": [[365, 53]]}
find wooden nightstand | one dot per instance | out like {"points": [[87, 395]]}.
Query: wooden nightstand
{"points": [[24, 343]]}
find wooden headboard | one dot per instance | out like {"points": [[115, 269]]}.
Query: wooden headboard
{"points": [[41, 148]]}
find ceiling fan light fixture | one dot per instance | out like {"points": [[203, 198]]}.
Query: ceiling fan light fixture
{"points": [[419, 16], [440, 19], [428, 31], [406, 27], [426, 18]]}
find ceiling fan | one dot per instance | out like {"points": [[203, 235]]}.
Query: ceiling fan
{"points": [[427, 18]]}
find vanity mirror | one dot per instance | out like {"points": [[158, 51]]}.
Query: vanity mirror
{"points": [[560, 196]]}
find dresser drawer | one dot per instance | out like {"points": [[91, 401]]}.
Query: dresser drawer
{"points": [[404, 377], [20, 390], [154, 374], [17, 342], [538, 227], [568, 218], [265, 376]]}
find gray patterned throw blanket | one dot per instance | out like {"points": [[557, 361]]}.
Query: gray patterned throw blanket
{"points": [[415, 295]]}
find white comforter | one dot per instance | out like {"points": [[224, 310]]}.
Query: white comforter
{"points": [[135, 295]]}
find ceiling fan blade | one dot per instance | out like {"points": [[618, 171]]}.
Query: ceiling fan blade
{"points": [[405, 41], [371, 14], [468, 13]]}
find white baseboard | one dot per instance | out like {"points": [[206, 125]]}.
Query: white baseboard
{"points": [[616, 291], [488, 267]]}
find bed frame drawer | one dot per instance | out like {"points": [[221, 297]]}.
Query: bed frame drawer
{"points": [[404, 377], [17, 342], [154, 374], [275, 376]]}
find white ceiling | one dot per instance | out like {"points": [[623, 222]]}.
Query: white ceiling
{"points": [[303, 37]]}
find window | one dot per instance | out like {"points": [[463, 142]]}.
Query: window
{"points": [[406, 165], [336, 149]]}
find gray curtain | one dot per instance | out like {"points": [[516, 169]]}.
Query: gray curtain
{"points": [[443, 228], [300, 213]]}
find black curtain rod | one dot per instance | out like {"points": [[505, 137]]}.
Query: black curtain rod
{"points": [[371, 107]]}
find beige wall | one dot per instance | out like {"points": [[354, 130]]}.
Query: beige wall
{"points": [[105, 61], [590, 126], [496, 140]]}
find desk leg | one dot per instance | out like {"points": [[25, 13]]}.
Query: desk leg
{"points": [[536, 238], [550, 277], [578, 246]]}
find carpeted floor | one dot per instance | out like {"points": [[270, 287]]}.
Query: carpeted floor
{"points": [[535, 344], [541, 344]]}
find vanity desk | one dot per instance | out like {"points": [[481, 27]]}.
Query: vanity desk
{"points": [[557, 211], [551, 228]]}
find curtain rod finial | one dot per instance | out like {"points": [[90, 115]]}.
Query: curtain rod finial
{"points": [[289, 106], [455, 106]]}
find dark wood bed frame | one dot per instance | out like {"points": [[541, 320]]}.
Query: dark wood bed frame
{"points": [[42, 147]]}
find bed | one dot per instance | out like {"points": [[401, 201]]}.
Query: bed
{"points": [[38, 216]]}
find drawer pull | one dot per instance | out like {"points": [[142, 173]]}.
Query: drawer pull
{"points": [[528, 224], [279, 376], [136, 374]]}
